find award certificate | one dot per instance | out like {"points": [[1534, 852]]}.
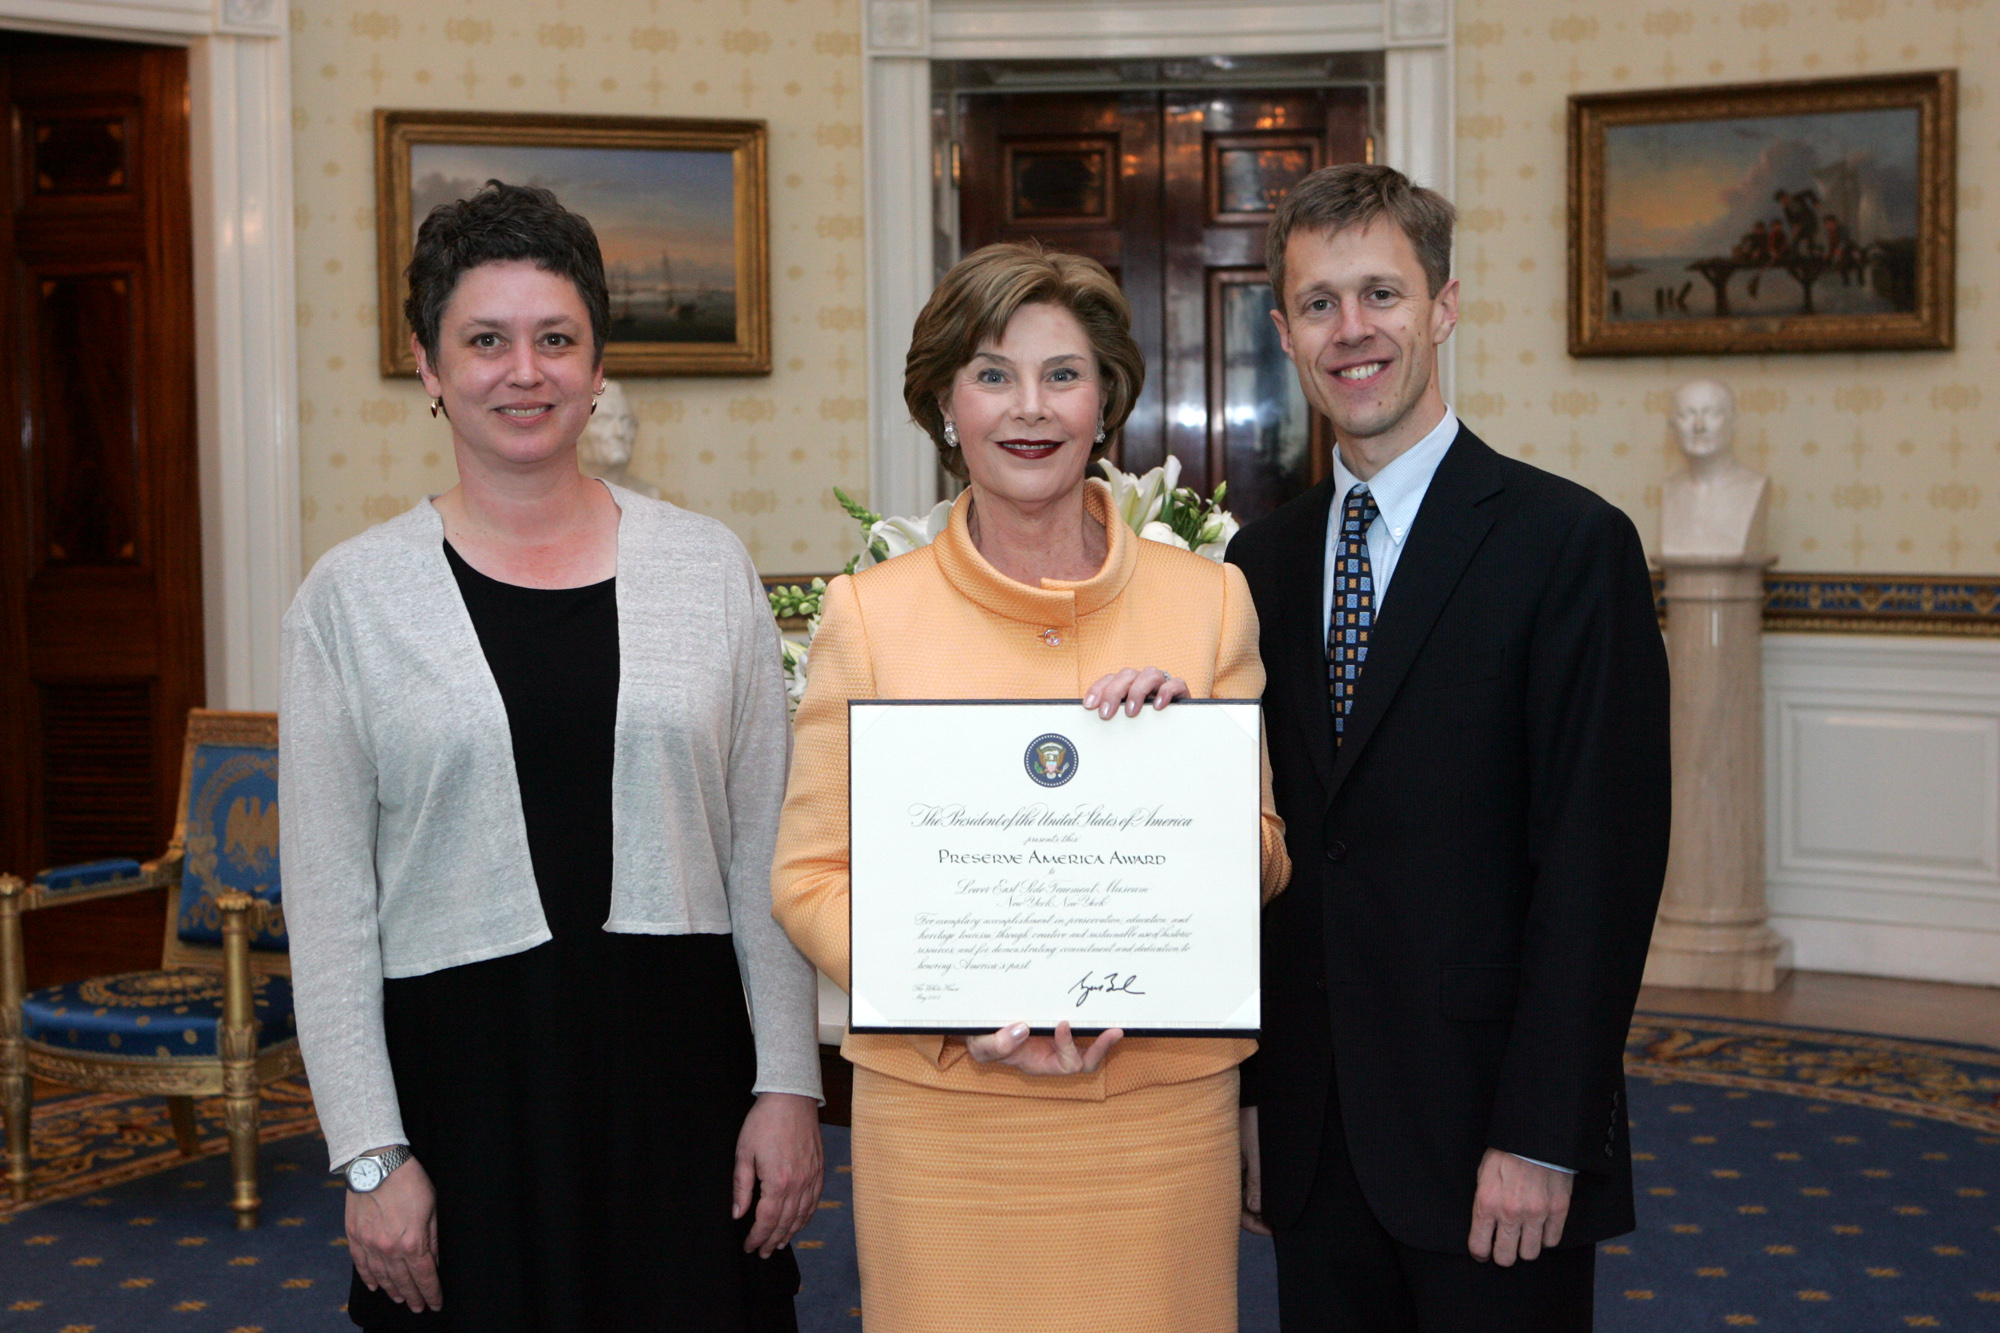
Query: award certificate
{"points": [[1027, 860]]}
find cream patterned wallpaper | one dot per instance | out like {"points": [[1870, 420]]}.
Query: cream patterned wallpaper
{"points": [[1885, 462], [761, 453]]}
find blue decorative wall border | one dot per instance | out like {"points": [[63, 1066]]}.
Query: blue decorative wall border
{"points": [[1951, 604]]}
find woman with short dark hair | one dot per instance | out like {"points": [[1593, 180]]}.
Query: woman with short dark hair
{"points": [[1006, 1181], [533, 751]]}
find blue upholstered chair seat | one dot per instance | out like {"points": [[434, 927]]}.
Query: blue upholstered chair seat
{"points": [[150, 1014], [89, 875]]}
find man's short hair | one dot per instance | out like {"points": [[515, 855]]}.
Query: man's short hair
{"points": [[1353, 194]]}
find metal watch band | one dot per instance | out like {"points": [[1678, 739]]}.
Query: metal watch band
{"points": [[385, 1162], [392, 1157]]}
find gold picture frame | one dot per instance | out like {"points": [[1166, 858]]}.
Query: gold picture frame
{"points": [[1808, 216], [660, 188]]}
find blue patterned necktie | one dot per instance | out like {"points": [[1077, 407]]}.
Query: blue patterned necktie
{"points": [[1353, 607]]}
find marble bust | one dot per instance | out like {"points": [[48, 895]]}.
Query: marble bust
{"points": [[1714, 511], [605, 449]]}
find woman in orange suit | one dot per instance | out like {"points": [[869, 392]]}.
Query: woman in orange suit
{"points": [[1010, 1181]]}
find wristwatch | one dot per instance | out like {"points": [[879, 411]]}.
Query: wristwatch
{"points": [[366, 1173]]}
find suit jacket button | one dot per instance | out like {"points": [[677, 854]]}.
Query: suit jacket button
{"points": [[1608, 1152], [1336, 852]]}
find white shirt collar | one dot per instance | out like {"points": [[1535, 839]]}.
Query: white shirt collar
{"points": [[1399, 487]]}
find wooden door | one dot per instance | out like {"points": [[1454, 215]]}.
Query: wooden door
{"points": [[1200, 173], [100, 561]]}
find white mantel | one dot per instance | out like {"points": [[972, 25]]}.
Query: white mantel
{"points": [[246, 369]]}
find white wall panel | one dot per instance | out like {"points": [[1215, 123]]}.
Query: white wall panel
{"points": [[1893, 791], [1884, 803]]}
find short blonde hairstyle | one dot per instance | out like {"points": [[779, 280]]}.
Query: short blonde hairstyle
{"points": [[974, 304], [1352, 195]]}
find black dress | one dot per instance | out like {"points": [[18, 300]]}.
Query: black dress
{"points": [[577, 1105]]}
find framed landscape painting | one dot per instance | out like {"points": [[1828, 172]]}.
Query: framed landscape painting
{"points": [[1786, 217], [679, 207]]}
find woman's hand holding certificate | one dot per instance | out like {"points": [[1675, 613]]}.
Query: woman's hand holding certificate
{"points": [[1134, 689], [1043, 1055]]}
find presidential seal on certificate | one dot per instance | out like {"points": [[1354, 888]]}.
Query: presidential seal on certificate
{"points": [[1027, 860]]}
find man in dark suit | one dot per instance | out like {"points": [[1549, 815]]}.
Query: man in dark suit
{"points": [[1467, 719]]}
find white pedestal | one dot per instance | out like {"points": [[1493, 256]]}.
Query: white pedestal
{"points": [[1713, 930]]}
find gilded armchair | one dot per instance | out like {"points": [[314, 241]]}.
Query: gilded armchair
{"points": [[216, 1018]]}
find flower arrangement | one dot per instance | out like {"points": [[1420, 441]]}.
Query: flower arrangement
{"points": [[796, 601], [1155, 506], [1160, 509]]}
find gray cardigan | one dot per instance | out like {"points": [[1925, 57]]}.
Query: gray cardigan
{"points": [[403, 842]]}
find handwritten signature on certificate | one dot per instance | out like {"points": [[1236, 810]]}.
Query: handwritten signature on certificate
{"points": [[1111, 983]]}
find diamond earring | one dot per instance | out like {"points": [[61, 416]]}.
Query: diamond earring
{"points": [[1100, 432], [950, 436]]}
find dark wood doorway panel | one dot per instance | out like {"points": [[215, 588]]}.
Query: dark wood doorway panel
{"points": [[100, 550], [1182, 226]]}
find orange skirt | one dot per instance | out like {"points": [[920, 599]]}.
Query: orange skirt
{"points": [[976, 1212]]}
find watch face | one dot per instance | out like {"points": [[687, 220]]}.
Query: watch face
{"points": [[364, 1174]]}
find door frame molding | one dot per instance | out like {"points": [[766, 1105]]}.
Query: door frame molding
{"points": [[900, 38], [245, 309]]}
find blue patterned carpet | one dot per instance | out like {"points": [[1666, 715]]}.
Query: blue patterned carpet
{"points": [[162, 1252], [1796, 1179], [1789, 1179]]}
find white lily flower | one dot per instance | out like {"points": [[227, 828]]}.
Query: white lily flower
{"points": [[903, 535], [1215, 535], [794, 656], [1123, 489], [1157, 531], [1140, 499]]}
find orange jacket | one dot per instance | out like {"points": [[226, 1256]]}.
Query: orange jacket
{"points": [[942, 623]]}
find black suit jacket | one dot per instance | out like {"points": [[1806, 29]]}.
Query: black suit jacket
{"points": [[1475, 871]]}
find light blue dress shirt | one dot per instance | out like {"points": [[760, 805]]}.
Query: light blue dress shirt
{"points": [[1399, 490]]}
